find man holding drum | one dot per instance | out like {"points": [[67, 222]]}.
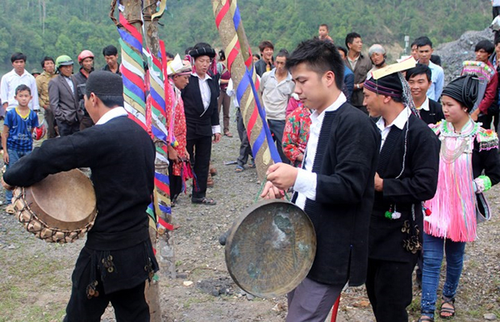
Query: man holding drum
{"points": [[118, 256], [335, 184]]}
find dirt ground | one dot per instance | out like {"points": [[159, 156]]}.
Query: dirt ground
{"points": [[35, 280]]}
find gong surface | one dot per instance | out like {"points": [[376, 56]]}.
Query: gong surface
{"points": [[271, 248]]}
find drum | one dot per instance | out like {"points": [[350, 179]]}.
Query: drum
{"points": [[61, 208], [270, 248]]}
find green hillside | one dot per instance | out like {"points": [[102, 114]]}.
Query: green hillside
{"points": [[54, 27]]}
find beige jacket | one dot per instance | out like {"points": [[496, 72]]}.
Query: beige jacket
{"points": [[42, 84]]}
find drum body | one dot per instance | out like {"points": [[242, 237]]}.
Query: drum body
{"points": [[271, 248], [61, 208]]}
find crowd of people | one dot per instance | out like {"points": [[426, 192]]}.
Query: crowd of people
{"points": [[389, 164]]}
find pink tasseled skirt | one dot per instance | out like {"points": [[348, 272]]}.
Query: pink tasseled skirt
{"points": [[453, 208]]}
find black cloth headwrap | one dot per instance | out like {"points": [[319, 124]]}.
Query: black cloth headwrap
{"points": [[464, 89], [104, 83], [203, 50], [389, 85]]}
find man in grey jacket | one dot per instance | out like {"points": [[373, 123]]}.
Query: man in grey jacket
{"points": [[360, 65], [63, 98]]}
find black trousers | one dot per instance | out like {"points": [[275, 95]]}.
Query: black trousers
{"points": [[130, 304], [389, 288], [277, 127], [245, 149], [200, 150], [51, 123], [175, 183], [66, 129]]}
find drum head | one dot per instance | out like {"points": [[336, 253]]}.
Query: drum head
{"points": [[271, 248], [66, 199]]}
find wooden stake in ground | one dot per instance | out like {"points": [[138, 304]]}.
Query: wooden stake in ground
{"points": [[137, 86]]}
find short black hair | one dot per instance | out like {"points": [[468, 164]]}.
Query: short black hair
{"points": [[23, 87], [110, 51], [423, 41], [340, 48], [325, 25], [486, 45], [256, 56], [419, 69], [169, 55], [47, 58], [320, 56], [18, 56], [283, 53], [350, 38]]}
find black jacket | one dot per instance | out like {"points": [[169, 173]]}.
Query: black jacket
{"points": [[417, 183], [435, 113], [121, 156], [198, 121], [345, 162]]}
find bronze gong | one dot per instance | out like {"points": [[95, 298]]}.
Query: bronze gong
{"points": [[271, 248]]}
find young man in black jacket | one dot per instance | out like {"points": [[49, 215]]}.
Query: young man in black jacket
{"points": [[335, 184], [407, 174]]}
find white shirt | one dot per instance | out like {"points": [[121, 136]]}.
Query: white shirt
{"points": [[70, 83], [111, 114], [204, 90], [206, 95], [275, 95], [10, 82], [398, 122], [306, 181]]}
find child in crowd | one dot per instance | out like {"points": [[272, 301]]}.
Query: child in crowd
{"points": [[17, 140]]}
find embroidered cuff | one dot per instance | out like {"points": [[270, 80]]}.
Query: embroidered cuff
{"points": [[482, 184]]}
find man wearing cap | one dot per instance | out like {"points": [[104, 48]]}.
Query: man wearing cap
{"points": [[86, 61], [202, 117], [63, 98], [110, 54], [178, 74], [117, 258], [406, 175], [42, 84]]}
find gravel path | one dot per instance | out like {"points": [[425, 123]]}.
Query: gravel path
{"points": [[35, 279]]}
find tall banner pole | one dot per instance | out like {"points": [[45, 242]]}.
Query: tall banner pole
{"points": [[239, 63]]}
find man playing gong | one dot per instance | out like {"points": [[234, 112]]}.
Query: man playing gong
{"points": [[335, 184], [118, 256]]}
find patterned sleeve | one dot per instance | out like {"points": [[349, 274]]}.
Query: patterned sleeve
{"points": [[291, 136]]}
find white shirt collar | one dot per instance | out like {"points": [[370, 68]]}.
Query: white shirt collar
{"points": [[425, 105], [111, 114], [335, 106], [398, 122], [203, 79]]}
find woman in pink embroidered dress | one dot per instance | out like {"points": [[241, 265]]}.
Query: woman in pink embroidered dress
{"points": [[466, 151]]}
